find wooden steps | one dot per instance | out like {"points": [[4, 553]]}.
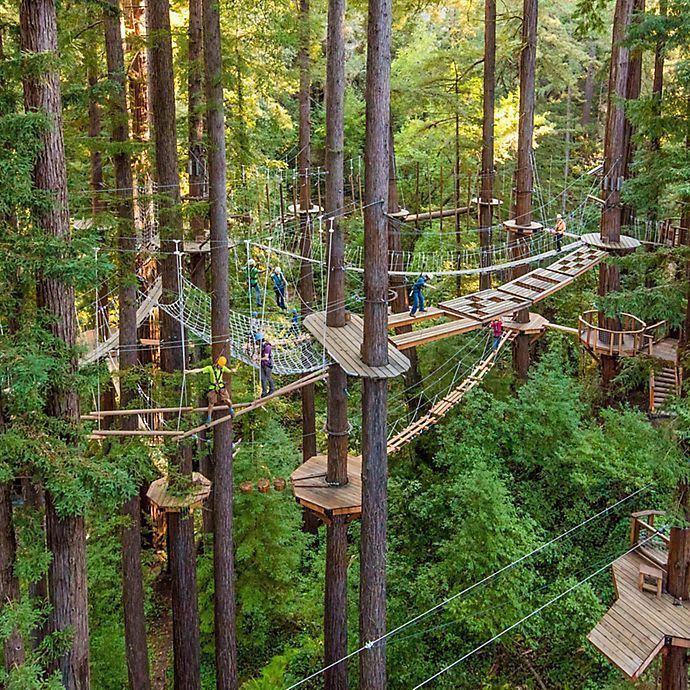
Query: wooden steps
{"points": [[664, 385]]}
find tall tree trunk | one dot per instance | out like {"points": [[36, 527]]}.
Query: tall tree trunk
{"points": [[335, 603], [223, 548], [13, 651], [524, 175], [566, 163], [66, 536], [614, 162], [186, 643], [372, 614], [306, 281], [132, 577], [633, 87], [657, 100], [197, 157], [400, 303], [487, 184], [674, 667]]}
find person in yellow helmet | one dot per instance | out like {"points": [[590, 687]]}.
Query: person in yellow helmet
{"points": [[217, 392]]}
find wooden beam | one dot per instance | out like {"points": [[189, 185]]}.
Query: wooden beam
{"points": [[433, 215], [562, 329]]}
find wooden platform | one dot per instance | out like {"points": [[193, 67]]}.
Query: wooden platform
{"points": [[635, 628], [666, 350], [311, 491], [626, 245], [344, 345], [174, 502], [486, 305], [536, 324]]}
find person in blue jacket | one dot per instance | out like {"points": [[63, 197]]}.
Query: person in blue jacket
{"points": [[417, 293], [279, 286]]}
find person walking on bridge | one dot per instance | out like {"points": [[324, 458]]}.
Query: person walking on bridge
{"points": [[217, 392], [497, 331], [265, 365], [279, 287], [417, 294]]}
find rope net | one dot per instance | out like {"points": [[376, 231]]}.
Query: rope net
{"points": [[294, 351]]}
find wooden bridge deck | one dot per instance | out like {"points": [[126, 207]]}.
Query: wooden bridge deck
{"points": [[635, 628], [478, 309], [344, 345]]}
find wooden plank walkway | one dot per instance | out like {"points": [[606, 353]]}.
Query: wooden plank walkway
{"points": [[441, 408], [404, 318], [404, 341], [476, 310], [344, 345], [634, 629], [311, 491]]}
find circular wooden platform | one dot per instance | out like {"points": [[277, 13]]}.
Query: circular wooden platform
{"points": [[173, 502], [311, 490], [512, 226], [626, 245]]}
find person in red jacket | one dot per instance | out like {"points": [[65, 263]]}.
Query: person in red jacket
{"points": [[497, 330]]}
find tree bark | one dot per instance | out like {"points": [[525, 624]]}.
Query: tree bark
{"points": [[522, 211], [306, 281], [335, 610], [488, 172], [66, 536], [13, 651], [132, 577], [195, 87], [657, 100], [372, 618], [674, 669], [614, 165], [588, 89], [186, 643], [223, 551]]}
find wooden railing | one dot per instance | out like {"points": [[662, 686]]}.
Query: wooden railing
{"points": [[628, 339], [655, 333]]}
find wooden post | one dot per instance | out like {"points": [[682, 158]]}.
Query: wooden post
{"points": [[674, 669], [372, 613], [182, 552], [524, 173], [222, 493], [487, 174], [613, 171]]}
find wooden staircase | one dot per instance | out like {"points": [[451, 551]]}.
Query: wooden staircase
{"points": [[664, 384]]}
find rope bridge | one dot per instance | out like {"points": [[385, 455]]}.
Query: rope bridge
{"points": [[294, 352], [445, 400]]}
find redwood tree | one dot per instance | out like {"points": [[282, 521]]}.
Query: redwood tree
{"points": [[186, 644], [132, 580], [372, 614], [66, 533], [223, 549]]}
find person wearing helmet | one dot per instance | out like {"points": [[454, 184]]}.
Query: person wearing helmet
{"points": [[265, 365], [294, 323], [217, 392], [417, 294], [559, 231], [253, 281], [279, 286]]}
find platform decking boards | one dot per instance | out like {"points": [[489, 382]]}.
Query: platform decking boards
{"points": [[420, 336], [311, 491], [666, 350], [198, 492], [634, 629], [344, 345]]}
